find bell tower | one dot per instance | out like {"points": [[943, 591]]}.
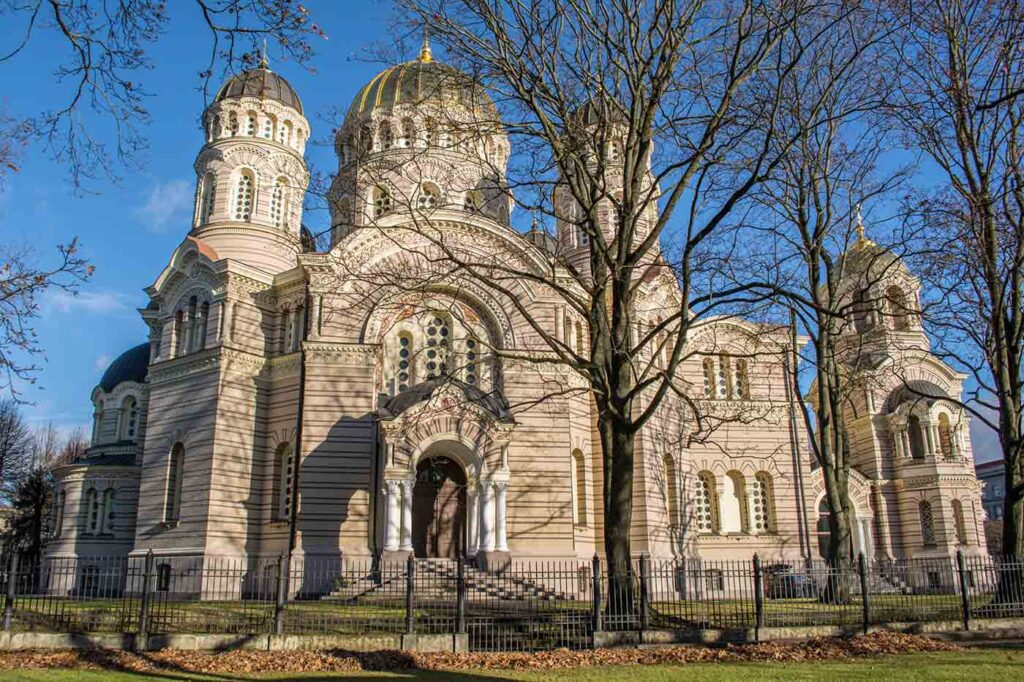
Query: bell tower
{"points": [[251, 174]]}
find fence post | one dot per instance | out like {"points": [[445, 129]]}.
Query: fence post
{"points": [[965, 601], [460, 595], [865, 600], [410, 573], [281, 598], [12, 588], [645, 582], [758, 598], [147, 572], [595, 613]]}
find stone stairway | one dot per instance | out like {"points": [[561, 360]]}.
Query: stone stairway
{"points": [[439, 580]]}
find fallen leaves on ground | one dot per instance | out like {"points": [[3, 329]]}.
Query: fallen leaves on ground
{"points": [[248, 661]]}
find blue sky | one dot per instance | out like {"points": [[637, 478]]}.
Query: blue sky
{"points": [[128, 231]]}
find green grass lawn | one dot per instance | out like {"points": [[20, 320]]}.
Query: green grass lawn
{"points": [[973, 664]]}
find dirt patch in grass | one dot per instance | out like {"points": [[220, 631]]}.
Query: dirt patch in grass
{"points": [[252, 662]]}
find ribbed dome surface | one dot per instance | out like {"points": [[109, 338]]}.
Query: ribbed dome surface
{"points": [[419, 82], [262, 83], [132, 365]]}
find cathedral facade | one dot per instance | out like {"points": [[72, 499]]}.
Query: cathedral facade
{"points": [[339, 402]]}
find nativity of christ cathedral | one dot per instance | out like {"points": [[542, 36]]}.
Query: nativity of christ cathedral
{"points": [[291, 392]]}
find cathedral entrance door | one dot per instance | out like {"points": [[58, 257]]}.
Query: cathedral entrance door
{"points": [[439, 509]]}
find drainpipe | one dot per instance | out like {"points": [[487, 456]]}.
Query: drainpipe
{"points": [[293, 513], [790, 366]]}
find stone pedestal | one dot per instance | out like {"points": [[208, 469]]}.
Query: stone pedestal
{"points": [[494, 561]]}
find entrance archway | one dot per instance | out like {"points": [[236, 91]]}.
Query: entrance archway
{"points": [[439, 509]]}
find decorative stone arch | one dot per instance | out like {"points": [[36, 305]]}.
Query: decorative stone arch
{"points": [[861, 496]]}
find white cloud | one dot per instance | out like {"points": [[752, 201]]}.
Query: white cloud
{"points": [[95, 302], [102, 362], [165, 202]]}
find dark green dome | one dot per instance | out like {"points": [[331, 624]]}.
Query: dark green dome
{"points": [[132, 365], [263, 83]]}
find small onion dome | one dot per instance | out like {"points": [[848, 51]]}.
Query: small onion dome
{"points": [[421, 81], [132, 365], [262, 83], [542, 240], [595, 111]]}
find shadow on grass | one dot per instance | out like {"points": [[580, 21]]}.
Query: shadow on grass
{"points": [[374, 665]]}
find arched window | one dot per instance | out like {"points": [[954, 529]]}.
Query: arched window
{"points": [[408, 133], [471, 202], [898, 309], [189, 342], [761, 495], [472, 359], [822, 528], [924, 509], [199, 332], [733, 505], [282, 493], [58, 520], [579, 338], [381, 202], [861, 311], [245, 194], [107, 517], [945, 436], [709, 377], [404, 364], [582, 238], [387, 138], [250, 124], [172, 492], [579, 483], [129, 419], [207, 198], [722, 379], [179, 333], [705, 508], [92, 511], [959, 523], [662, 349], [429, 133], [671, 491], [268, 127], [428, 197], [97, 423], [914, 429], [284, 132], [438, 334], [279, 203], [232, 124], [740, 389]]}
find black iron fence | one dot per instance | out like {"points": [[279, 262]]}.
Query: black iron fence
{"points": [[528, 606]]}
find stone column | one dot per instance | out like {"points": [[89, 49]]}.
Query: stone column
{"points": [[392, 516], [500, 516], [473, 519], [905, 435], [406, 542], [897, 444], [486, 516], [929, 438]]}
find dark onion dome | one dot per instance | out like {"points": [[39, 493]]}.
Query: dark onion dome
{"points": [[542, 240], [595, 111], [307, 239], [418, 82], [131, 365], [262, 83]]}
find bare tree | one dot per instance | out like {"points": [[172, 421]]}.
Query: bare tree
{"points": [[811, 237], [15, 440], [962, 68], [23, 281], [106, 43], [640, 128]]}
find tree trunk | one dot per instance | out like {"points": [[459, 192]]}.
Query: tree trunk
{"points": [[617, 444]]}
